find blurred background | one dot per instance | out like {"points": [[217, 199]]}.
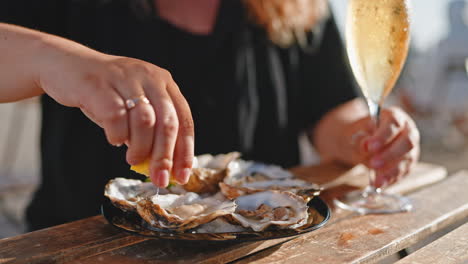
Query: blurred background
{"points": [[433, 89]]}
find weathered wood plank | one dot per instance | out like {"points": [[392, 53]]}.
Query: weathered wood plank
{"points": [[161, 252], [338, 179], [420, 177], [360, 239], [331, 175], [157, 251], [64, 243], [449, 249], [93, 240]]}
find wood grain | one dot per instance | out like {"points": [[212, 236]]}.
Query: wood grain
{"points": [[449, 249], [157, 251], [354, 239], [64, 243], [332, 175], [93, 240], [339, 179]]}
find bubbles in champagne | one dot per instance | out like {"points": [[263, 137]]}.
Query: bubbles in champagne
{"points": [[377, 36]]}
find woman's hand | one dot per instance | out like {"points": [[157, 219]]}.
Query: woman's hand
{"points": [[135, 102], [392, 148], [347, 134]]}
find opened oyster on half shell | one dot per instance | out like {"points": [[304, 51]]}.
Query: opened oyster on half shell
{"points": [[126, 193], [250, 177], [208, 171], [224, 193], [261, 210], [182, 212]]}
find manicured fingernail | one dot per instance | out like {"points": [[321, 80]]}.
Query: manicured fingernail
{"points": [[374, 146], [163, 178], [117, 145], [376, 163], [184, 175]]}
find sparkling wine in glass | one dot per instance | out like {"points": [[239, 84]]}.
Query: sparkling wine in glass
{"points": [[377, 40]]}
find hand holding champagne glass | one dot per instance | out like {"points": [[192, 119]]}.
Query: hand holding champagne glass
{"points": [[377, 40]]}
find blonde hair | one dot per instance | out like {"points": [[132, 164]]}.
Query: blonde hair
{"points": [[287, 21]]}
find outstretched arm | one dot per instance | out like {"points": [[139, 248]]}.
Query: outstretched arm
{"points": [[20, 50], [159, 125]]}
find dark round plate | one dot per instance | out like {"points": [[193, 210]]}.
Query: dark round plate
{"points": [[134, 224]]}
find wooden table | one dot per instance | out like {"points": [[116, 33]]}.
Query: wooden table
{"points": [[348, 238]]}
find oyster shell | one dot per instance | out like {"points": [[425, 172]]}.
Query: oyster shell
{"points": [[249, 171], [182, 212], [261, 210], [232, 192], [219, 225], [249, 176], [125, 193], [217, 162], [208, 171]]}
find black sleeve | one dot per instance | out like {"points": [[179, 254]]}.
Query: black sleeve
{"points": [[16, 12], [44, 15], [326, 77]]}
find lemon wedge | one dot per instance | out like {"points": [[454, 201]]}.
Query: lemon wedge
{"points": [[142, 168]]}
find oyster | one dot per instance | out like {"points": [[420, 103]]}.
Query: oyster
{"points": [[249, 171], [217, 162], [182, 212], [208, 171], [249, 176], [271, 208], [125, 193], [219, 225], [232, 192]]}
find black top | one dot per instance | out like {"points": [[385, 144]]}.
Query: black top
{"points": [[246, 94]]}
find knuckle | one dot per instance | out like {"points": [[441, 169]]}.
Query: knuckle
{"points": [[165, 74], [392, 130], [396, 122], [396, 116], [124, 67], [117, 72], [170, 126], [409, 144], [162, 163], [115, 112], [95, 81], [145, 119], [186, 161], [137, 154], [115, 138], [187, 125], [143, 68]]}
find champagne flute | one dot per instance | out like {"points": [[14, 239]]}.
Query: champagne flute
{"points": [[377, 40]]}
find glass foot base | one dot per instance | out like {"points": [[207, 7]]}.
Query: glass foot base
{"points": [[374, 203]]}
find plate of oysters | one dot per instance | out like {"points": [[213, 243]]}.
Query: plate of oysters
{"points": [[226, 199]]}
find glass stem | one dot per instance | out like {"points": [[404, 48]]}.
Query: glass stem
{"points": [[374, 111]]}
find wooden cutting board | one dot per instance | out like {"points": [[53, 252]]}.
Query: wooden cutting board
{"points": [[338, 179]]}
